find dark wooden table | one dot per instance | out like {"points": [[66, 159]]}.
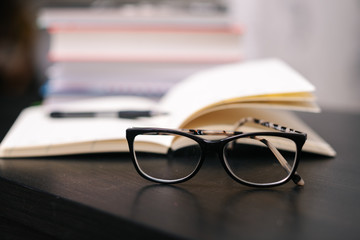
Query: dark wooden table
{"points": [[102, 196]]}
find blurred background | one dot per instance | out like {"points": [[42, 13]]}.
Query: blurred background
{"points": [[318, 38]]}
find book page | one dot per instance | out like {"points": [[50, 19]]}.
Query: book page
{"points": [[232, 81], [36, 133]]}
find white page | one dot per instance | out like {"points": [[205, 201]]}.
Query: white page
{"points": [[34, 128], [232, 81]]}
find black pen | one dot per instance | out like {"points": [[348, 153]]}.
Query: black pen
{"points": [[129, 114]]}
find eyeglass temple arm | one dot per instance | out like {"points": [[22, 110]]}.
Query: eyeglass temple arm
{"points": [[296, 178], [239, 124], [265, 124]]}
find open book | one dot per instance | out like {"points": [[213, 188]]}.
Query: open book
{"points": [[211, 99]]}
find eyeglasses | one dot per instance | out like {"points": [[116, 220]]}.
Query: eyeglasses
{"points": [[261, 159]]}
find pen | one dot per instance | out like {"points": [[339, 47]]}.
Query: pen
{"points": [[129, 114]]}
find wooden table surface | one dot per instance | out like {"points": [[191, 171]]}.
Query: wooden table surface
{"points": [[102, 196]]}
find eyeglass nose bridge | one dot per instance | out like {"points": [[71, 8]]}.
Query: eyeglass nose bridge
{"points": [[216, 148], [213, 147]]}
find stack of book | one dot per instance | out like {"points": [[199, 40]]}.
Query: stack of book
{"points": [[115, 51]]}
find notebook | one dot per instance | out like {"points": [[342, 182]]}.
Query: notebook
{"points": [[211, 99]]}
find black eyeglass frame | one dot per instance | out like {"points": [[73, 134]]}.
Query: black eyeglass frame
{"points": [[298, 138]]}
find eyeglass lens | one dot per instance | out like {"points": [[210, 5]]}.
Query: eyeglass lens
{"points": [[166, 156], [261, 159]]}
